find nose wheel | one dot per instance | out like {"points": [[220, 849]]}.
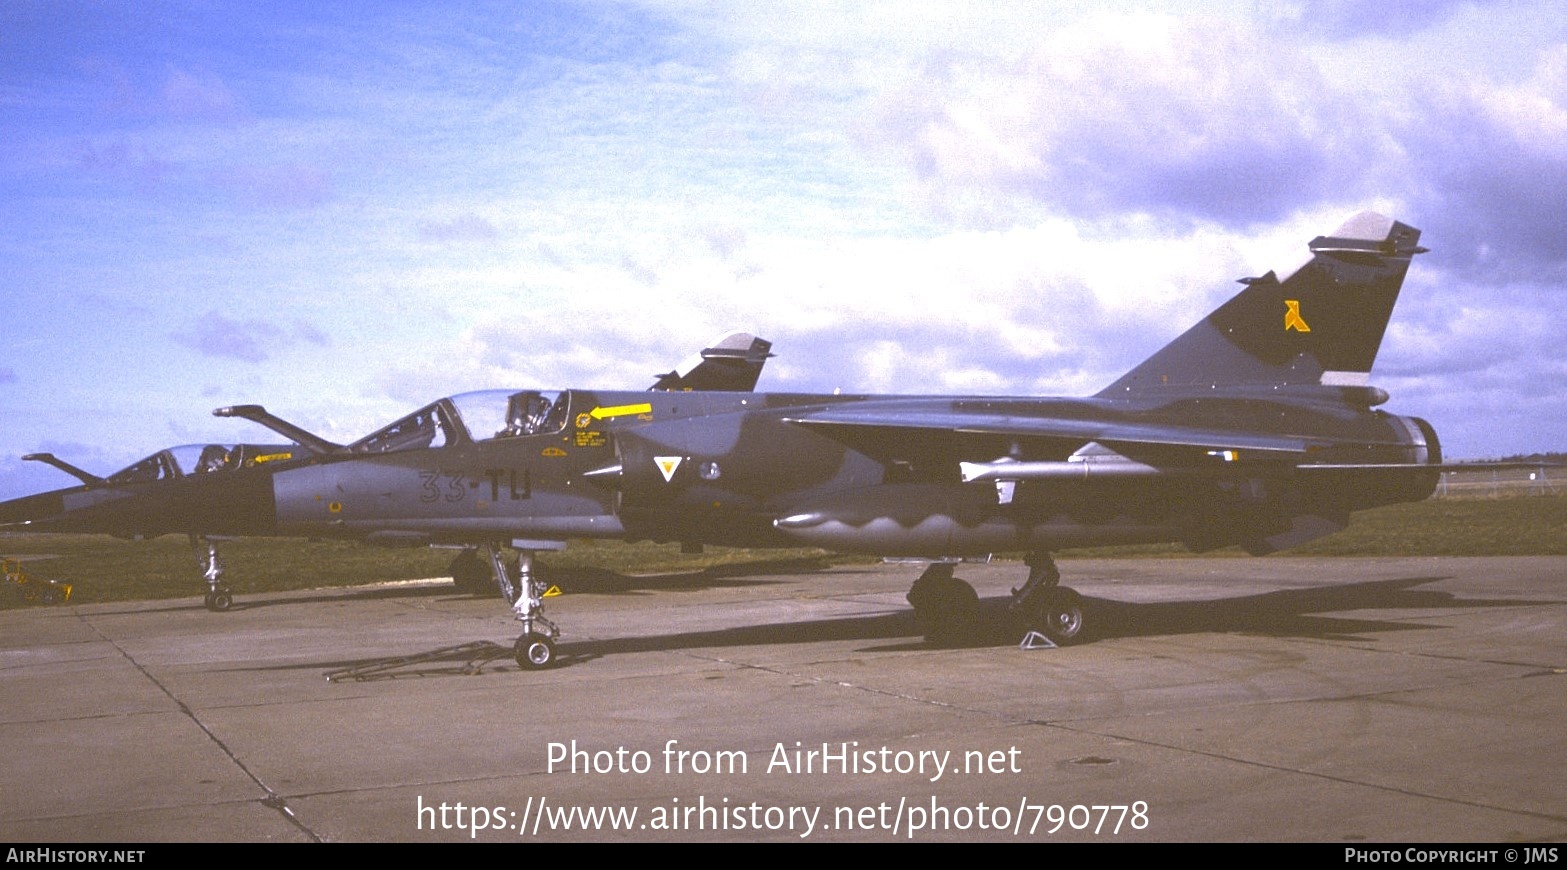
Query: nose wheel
{"points": [[219, 599], [535, 651]]}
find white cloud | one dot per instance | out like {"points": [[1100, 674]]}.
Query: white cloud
{"points": [[996, 198], [1493, 162], [1176, 117], [251, 339]]}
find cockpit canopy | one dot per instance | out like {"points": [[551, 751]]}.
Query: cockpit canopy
{"points": [[480, 416], [189, 459]]}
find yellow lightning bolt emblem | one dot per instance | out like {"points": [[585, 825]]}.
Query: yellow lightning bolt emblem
{"points": [[621, 410], [1292, 318]]}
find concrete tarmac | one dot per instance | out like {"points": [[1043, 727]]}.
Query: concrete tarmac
{"points": [[1354, 701]]}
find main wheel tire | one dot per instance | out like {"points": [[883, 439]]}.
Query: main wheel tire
{"points": [[219, 600], [535, 652], [1061, 617]]}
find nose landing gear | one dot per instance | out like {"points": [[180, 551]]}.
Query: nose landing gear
{"points": [[525, 591], [219, 596]]}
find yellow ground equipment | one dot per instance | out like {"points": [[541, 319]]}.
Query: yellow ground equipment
{"points": [[32, 589]]}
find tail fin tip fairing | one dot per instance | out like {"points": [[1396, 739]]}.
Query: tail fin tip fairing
{"points": [[1320, 324], [732, 364]]}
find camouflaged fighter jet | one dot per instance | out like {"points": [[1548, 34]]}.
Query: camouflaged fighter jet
{"points": [[206, 490], [1257, 427], [150, 497]]}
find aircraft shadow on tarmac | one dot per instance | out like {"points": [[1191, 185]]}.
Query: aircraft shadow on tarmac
{"points": [[1283, 613], [598, 581]]}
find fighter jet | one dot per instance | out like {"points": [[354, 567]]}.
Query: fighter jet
{"points": [[153, 496], [1256, 427], [195, 489]]}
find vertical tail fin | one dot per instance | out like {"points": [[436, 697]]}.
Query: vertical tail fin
{"points": [[732, 364], [1321, 324]]}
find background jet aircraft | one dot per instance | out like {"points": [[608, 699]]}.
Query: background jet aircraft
{"points": [[1256, 427], [151, 497], [171, 491], [732, 364]]}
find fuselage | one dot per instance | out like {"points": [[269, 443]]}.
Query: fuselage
{"points": [[757, 469], [775, 469], [1255, 427]]}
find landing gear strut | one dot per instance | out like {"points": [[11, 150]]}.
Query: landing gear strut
{"points": [[945, 607], [524, 591], [1044, 606], [219, 597]]}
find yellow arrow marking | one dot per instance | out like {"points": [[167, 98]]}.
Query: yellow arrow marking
{"points": [[1292, 318], [621, 410], [552, 592]]}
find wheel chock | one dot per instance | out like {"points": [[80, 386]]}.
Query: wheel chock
{"points": [[1035, 640]]}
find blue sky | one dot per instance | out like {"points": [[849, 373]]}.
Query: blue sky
{"points": [[344, 212]]}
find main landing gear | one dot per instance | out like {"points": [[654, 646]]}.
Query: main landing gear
{"points": [[1044, 606], [946, 609], [219, 597], [524, 591]]}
